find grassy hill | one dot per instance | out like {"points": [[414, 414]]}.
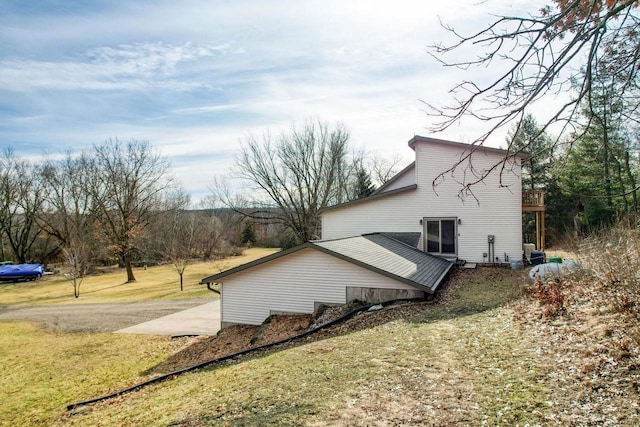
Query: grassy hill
{"points": [[487, 352]]}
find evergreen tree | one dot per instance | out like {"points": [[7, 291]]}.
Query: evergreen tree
{"points": [[364, 187], [248, 235]]}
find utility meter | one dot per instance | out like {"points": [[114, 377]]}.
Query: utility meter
{"points": [[492, 238]]}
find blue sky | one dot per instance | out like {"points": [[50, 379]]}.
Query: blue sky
{"points": [[194, 78]]}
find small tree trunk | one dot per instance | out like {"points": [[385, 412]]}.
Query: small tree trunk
{"points": [[127, 264], [181, 282]]}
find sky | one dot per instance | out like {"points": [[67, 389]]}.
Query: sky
{"points": [[195, 78]]}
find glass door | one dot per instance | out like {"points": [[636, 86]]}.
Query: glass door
{"points": [[440, 235]]}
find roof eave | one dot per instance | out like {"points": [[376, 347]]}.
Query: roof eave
{"points": [[214, 277], [472, 147]]}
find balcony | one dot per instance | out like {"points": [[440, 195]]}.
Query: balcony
{"points": [[532, 201]]}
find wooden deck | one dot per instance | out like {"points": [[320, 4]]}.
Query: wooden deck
{"points": [[533, 201]]}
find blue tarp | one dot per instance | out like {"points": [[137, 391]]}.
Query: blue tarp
{"points": [[21, 271]]}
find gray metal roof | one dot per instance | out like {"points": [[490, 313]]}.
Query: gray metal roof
{"points": [[410, 238], [376, 252], [393, 257]]}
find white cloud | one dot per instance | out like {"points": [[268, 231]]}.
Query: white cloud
{"points": [[138, 66], [194, 77]]}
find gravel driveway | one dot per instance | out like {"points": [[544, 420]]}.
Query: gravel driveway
{"points": [[97, 317]]}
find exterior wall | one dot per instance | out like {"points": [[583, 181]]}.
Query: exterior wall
{"points": [[497, 211], [374, 296], [294, 283], [405, 178]]}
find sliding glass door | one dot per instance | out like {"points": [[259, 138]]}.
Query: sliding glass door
{"points": [[440, 236]]}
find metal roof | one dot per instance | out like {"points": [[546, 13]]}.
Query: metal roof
{"points": [[386, 254], [376, 252]]}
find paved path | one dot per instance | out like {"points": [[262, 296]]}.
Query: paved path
{"points": [[201, 320], [116, 316]]}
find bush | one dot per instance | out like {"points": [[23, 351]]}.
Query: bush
{"points": [[551, 295], [612, 257]]}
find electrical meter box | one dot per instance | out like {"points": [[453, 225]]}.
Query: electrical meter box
{"points": [[491, 238]]}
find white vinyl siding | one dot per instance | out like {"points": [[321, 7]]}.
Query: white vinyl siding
{"points": [[495, 210], [294, 283], [404, 179]]}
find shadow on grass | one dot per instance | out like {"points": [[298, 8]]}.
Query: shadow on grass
{"points": [[275, 413]]}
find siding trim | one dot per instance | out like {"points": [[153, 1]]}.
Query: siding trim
{"points": [[214, 278], [370, 198], [393, 179]]}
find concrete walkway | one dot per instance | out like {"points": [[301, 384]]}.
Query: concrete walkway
{"points": [[201, 320]]}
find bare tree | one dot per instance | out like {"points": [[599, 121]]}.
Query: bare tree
{"points": [[21, 198], [296, 175], [127, 184], [69, 213], [217, 224], [562, 47], [383, 168], [180, 239]]}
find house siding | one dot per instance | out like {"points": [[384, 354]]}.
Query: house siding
{"points": [[497, 210], [405, 178], [294, 283]]}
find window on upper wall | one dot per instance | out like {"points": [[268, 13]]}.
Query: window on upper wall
{"points": [[440, 236]]}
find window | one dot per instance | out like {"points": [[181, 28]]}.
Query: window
{"points": [[440, 235]]}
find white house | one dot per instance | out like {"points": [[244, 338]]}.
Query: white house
{"points": [[485, 226], [400, 242], [373, 267]]}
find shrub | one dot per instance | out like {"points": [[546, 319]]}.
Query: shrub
{"points": [[612, 257], [551, 295]]}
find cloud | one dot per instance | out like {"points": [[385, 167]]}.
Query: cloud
{"points": [[195, 77], [138, 66]]}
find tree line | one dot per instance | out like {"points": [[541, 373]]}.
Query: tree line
{"points": [[118, 202]]}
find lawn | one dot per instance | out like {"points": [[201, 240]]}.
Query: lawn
{"points": [[41, 372], [480, 355], [152, 283], [463, 361]]}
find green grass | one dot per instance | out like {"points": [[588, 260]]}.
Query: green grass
{"points": [[463, 362], [152, 283], [42, 372]]}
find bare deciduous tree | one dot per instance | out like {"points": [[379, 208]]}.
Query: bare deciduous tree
{"points": [[127, 185], [296, 175], [21, 198], [180, 239], [384, 168], [69, 214], [560, 48]]}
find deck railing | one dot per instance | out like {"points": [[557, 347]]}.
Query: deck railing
{"points": [[532, 199]]}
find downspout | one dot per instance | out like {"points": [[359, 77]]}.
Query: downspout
{"points": [[211, 289]]}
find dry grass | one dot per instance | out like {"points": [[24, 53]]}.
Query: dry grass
{"points": [[482, 355], [41, 372], [152, 283], [463, 362]]}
